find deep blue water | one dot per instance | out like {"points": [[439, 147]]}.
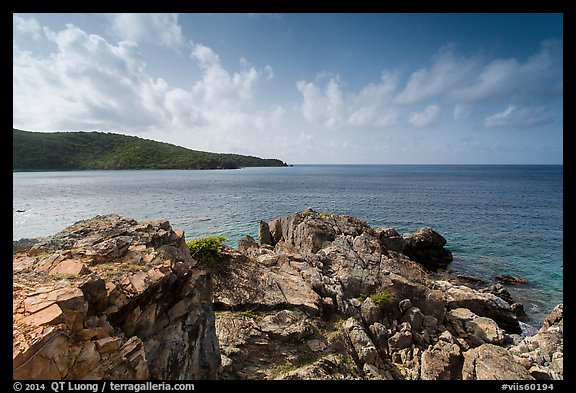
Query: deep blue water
{"points": [[496, 219]]}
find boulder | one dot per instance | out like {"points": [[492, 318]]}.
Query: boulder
{"points": [[482, 304], [390, 239], [508, 279], [491, 362], [371, 313], [286, 325], [364, 349], [426, 246], [442, 361]]}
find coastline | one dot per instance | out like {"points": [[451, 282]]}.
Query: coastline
{"points": [[337, 298], [496, 221]]}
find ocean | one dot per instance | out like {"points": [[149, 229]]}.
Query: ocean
{"points": [[497, 219]]}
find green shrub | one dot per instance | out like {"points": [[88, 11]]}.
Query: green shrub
{"points": [[326, 214], [249, 314], [382, 299], [206, 249]]}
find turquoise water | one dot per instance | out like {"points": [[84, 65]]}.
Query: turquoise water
{"points": [[496, 219]]}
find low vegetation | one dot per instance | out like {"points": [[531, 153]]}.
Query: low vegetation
{"points": [[206, 249], [382, 299]]}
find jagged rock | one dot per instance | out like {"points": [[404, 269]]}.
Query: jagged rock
{"points": [[415, 317], [489, 361], [242, 282], [500, 291], [543, 353], [404, 305], [474, 329], [400, 340], [390, 239], [371, 313], [363, 347], [130, 306], [338, 258], [482, 304], [508, 279], [286, 325], [264, 235], [379, 334], [443, 361], [427, 247], [247, 243]]}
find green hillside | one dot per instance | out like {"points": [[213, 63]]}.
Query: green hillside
{"points": [[99, 150]]}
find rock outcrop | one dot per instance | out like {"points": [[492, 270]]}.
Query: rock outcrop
{"points": [[318, 296], [111, 298], [328, 297]]}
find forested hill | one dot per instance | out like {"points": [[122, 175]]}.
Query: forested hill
{"points": [[99, 150]]}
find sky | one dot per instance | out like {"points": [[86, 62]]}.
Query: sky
{"points": [[305, 88]]}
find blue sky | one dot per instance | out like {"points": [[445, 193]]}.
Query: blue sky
{"points": [[305, 88]]}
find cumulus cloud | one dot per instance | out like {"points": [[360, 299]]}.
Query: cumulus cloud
{"points": [[322, 106], [27, 26], [157, 29], [425, 118], [451, 79], [331, 108], [472, 79], [518, 117], [90, 83], [538, 78], [218, 87], [446, 72]]}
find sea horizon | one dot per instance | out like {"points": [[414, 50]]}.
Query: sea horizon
{"points": [[497, 219]]}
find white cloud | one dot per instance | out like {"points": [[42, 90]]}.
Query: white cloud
{"points": [[218, 87], [446, 72], [27, 26], [472, 79], [323, 108], [331, 108], [462, 81], [88, 83], [539, 78], [158, 29], [269, 72], [425, 118], [518, 117]]}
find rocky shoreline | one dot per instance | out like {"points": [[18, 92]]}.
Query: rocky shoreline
{"points": [[318, 296]]}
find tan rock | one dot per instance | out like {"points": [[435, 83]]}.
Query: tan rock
{"points": [[85, 361], [489, 362], [441, 362], [48, 359], [139, 281], [69, 267], [108, 344], [51, 315]]}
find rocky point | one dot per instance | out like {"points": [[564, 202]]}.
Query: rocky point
{"points": [[317, 296], [111, 298]]}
